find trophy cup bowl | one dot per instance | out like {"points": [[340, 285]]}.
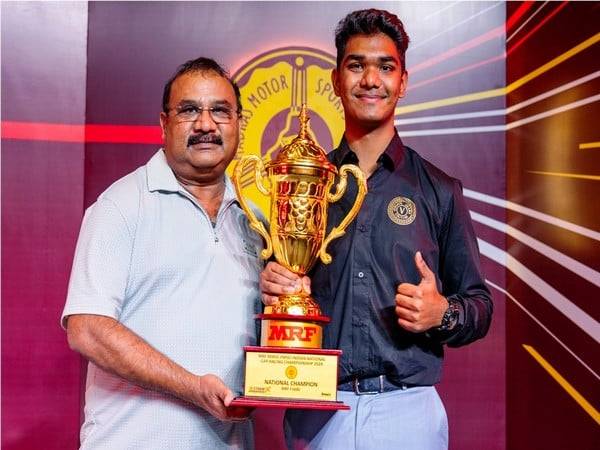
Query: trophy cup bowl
{"points": [[299, 182]]}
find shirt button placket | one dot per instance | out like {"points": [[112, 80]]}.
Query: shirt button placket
{"points": [[361, 312], [361, 335]]}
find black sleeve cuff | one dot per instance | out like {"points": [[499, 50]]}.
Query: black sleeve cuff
{"points": [[452, 322]]}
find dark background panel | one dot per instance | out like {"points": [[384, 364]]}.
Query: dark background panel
{"points": [[43, 79], [42, 200], [473, 385], [573, 24], [153, 38], [557, 326], [552, 145], [541, 413], [568, 282], [472, 157], [582, 248], [43, 61], [106, 163]]}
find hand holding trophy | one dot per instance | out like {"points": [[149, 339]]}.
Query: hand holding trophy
{"points": [[290, 369]]}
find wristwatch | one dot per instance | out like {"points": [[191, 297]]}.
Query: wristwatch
{"points": [[451, 316]]}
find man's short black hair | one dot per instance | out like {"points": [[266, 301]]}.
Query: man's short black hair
{"points": [[202, 65], [371, 21]]}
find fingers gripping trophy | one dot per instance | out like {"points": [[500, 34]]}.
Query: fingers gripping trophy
{"points": [[290, 368]]}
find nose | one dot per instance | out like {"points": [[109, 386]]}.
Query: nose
{"points": [[370, 78], [205, 122]]}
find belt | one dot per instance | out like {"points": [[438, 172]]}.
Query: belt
{"points": [[371, 385]]}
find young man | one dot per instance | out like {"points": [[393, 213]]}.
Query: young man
{"points": [[147, 291], [405, 279]]}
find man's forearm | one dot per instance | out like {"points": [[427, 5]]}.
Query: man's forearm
{"points": [[116, 349]]}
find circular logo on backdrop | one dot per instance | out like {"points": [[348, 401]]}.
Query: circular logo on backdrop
{"points": [[273, 87], [402, 210]]}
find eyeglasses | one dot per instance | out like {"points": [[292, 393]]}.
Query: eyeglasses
{"points": [[191, 113]]}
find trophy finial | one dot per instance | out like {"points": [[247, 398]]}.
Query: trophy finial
{"points": [[303, 122], [303, 151]]}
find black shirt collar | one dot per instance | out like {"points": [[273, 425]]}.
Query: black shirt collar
{"points": [[389, 159]]}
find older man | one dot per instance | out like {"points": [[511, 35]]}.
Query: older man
{"points": [[405, 279], [165, 281]]}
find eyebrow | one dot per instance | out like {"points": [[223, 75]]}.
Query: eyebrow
{"points": [[186, 102], [381, 59]]}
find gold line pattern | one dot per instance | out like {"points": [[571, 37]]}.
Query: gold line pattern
{"points": [[500, 91], [567, 175], [580, 399], [587, 145]]}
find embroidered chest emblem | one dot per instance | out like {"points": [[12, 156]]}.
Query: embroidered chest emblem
{"points": [[402, 210], [250, 249]]}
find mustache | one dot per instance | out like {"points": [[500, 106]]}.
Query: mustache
{"points": [[208, 138], [372, 92]]}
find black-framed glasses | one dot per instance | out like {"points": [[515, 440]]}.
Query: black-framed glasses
{"points": [[191, 113]]}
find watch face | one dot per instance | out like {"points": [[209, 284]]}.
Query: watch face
{"points": [[453, 320], [451, 316]]}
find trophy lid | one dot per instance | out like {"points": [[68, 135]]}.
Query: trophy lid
{"points": [[303, 150]]}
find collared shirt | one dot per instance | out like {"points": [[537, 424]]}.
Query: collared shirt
{"points": [[410, 206], [149, 257]]}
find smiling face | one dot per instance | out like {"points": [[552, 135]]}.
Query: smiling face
{"points": [[199, 151], [369, 81]]}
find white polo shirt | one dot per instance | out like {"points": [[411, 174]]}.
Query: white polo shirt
{"points": [[149, 257]]}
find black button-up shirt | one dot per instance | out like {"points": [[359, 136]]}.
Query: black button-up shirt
{"points": [[357, 290]]}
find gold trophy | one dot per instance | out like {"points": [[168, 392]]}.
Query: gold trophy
{"points": [[290, 369]]}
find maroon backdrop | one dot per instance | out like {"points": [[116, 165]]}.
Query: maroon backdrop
{"points": [[81, 93], [549, 173], [43, 80]]}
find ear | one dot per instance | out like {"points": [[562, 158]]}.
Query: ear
{"points": [[335, 81], [403, 84], [163, 124], [239, 128]]}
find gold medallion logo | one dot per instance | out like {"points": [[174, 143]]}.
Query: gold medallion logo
{"points": [[402, 210], [291, 372], [273, 87]]}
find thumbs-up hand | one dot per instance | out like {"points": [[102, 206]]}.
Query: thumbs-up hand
{"points": [[420, 307]]}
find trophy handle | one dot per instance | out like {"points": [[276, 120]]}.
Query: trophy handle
{"points": [[255, 224], [339, 231]]}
